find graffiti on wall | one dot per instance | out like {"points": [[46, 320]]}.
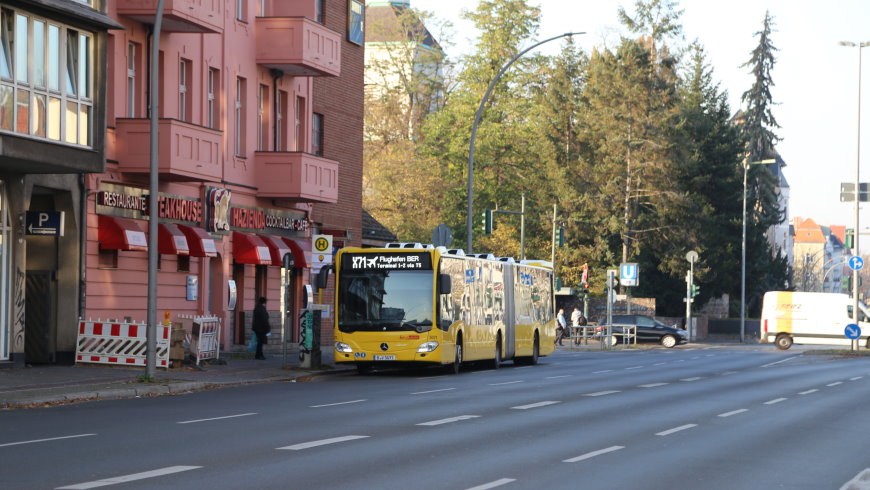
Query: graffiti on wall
{"points": [[18, 313]]}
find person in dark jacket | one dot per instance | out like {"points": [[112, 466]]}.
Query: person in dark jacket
{"points": [[260, 326]]}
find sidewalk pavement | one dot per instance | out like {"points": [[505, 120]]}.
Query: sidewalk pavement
{"points": [[54, 384]]}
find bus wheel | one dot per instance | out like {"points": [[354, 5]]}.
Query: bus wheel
{"points": [[536, 351], [496, 363], [457, 359], [783, 341], [363, 368]]}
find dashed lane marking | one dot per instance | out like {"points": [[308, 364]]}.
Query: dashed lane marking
{"points": [[856, 378], [432, 391], [535, 405], [593, 454], [835, 383], [218, 418], [507, 383], [779, 361], [808, 392], [602, 393], [652, 385], [693, 378], [733, 412], [338, 403], [775, 400], [448, 420], [560, 376], [860, 482], [45, 440], [128, 478], [493, 484], [675, 429], [634, 367], [603, 371], [321, 442]]}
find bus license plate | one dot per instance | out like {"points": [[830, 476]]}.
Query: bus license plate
{"points": [[385, 357]]}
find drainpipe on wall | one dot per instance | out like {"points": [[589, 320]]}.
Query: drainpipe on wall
{"points": [[83, 242]]}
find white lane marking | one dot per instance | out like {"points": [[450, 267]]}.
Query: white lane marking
{"points": [[322, 442], [507, 383], [493, 484], [861, 481], [808, 392], [652, 385], [675, 429], [560, 376], [633, 367], [602, 393], [432, 391], [45, 440], [835, 383], [779, 361], [534, 405], [696, 357], [710, 355], [593, 454], [603, 371], [733, 412], [449, 420], [726, 373], [775, 400], [659, 363], [217, 418], [680, 360], [338, 403], [693, 378], [128, 478], [856, 378]]}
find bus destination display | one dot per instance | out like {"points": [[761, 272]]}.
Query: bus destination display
{"points": [[387, 261]]}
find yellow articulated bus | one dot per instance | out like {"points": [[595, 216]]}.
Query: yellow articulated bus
{"points": [[414, 304]]}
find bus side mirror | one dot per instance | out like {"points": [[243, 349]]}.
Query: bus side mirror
{"points": [[322, 279], [444, 283]]}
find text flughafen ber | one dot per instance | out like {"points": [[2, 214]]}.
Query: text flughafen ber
{"points": [[388, 261]]}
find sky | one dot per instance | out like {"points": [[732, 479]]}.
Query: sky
{"points": [[816, 79]]}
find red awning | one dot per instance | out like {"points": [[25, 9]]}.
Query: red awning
{"points": [[277, 249], [250, 249], [299, 253], [121, 234], [200, 242], [170, 240]]}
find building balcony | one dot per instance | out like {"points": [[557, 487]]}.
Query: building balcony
{"points": [[203, 16], [187, 152], [296, 176], [298, 46]]}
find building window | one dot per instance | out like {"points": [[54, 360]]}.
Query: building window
{"points": [[356, 22], [317, 134], [242, 10], [183, 264], [33, 54], [300, 124], [263, 118], [281, 121], [184, 100], [261, 8], [132, 58], [319, 9], [213, 89], [240, 117]]}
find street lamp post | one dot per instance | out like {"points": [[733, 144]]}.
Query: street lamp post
{"points": [[860, 46], [746, 164], [468, 219]]}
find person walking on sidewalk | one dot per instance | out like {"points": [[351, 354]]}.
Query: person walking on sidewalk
{"points": [[260, 326], [560, 328]]}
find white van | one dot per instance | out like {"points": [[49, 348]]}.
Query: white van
{"points": [[810, 318]]}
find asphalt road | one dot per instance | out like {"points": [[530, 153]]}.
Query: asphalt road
{"points": [[735, 418]]}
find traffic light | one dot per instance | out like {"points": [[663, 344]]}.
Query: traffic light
{"points": [[585, 277], [487, 221], [561, 237], [850, 237], [695, 290]]}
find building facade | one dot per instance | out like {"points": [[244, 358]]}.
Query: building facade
{"points": [[250, 163], [52, 132]]}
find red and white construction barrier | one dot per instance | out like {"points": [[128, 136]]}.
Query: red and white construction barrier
{"points": [[207, 331], [119, 343]]}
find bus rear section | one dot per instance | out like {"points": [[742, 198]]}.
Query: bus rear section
{"points": [[428, 306], [810, 318]]}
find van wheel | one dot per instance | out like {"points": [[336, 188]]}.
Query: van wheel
{"points": [[614, 341], [669, 341], [783, 341]]}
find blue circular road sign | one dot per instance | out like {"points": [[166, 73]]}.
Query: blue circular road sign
{"points": [[852, 331], [856, 263]]}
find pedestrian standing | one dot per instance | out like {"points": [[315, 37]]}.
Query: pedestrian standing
{"points": [[560, 328], [260, 326], [575, 320]]}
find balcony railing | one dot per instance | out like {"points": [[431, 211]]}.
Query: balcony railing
{"points": [[296, 176], [298, 46], [204, 16], [187, 152]]}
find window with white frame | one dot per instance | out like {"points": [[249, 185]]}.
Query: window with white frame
{"points": [[317, 134], [132, 59], [46, 77], [281, 121], [356, 15], [184, 99], [212, 102], [240, 117], [263, 118], [300, 124]]}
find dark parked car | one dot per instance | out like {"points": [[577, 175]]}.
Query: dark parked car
{"points": [[648, 330]]}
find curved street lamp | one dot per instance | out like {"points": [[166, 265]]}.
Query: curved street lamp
{"points": [[468, 220]]}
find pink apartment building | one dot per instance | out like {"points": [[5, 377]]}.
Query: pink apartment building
{"points": [[260, 131]]}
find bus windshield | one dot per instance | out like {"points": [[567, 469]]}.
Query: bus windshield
{"points": [[379, 301]]}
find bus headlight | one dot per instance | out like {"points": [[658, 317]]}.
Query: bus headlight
{"points": [[428, 347], [342, 347]]}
